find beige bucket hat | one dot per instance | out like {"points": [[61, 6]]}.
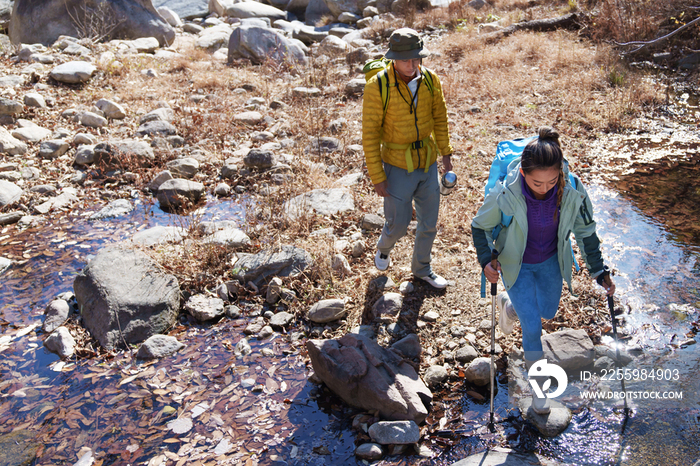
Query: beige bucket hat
{"points": [[405, 44]]}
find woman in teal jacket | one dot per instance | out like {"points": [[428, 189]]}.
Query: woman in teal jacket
{"points": [[535, 250]]}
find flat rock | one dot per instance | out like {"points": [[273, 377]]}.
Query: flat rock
{"points": [[394, 432], [549, 425], [115, 208], [73, 72], [321, 201], [327, 310], [159, 346]]}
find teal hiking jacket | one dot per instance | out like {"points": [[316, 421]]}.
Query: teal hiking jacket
{"points": [[576, 216]]}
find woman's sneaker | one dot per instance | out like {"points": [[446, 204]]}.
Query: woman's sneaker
{"points": [[435, 280], [381, 261], [506, 313]]}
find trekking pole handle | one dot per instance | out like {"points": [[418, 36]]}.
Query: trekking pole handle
{"points": [[494, 266]]}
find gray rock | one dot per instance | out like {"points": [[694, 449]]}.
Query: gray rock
{"points": [[84, 139], [61, 342], [56, 315], [115, 208], [382, 283], [156, 128], [124, 288], [369, 452], [431, 316], [243, 347], [5, 263], [394, 432], [466, 354], [283, 261], [321, 201], [255, 326], [260, 44], [10, 144], [274, 289], [370, 377], [248, 118], [29, 131], [340, 265], [67, 197], [124, 151], [43, 21], [229, 237], [110, 109], [10, 218], [185, 167], [388, 306], [73, 72], [327, 310], [158, 235], [84, 155], [409, 346], [259, 159], [316, 10], [160, 178], [499, 458], [9, 193], [159, 114], [53, 149], [435, 375], [159, 346], [214, 38], [172, 194], [93, 120], [478, 372], [333, 46], [372, 222], [251, 9], [309, 34], [34, 99], [192, 28], [144, 44], [281, 319], [302, 92], [604, 363], [205, 308], [170, 16], [185, 9], [549, 425], [572, 350]]}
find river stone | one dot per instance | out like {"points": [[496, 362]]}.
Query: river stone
{"points": [[572, 350], [10, 107], [321, 201], [204, 308], [5, 263], [29, 131], [274, 290], [34, 99], [229, 237], [255, 326], [372, 222], [394, 432], [56, 314], [110, 109], [185, 167], [160, 178], [173, 193], [283, 261], [466, 354], [388, 306], [251, 9], [327, 310], [61, 342], [259, 159], [159, 346], [73, 72], [281, 319], [260, 44], [18, 448], [370, 377], [369, 452], [158, 235], [67, 197], [9, 193], [159, 114], [115, 208], [248, 118], [435, 375], [53, 148], [125, 288], [10, 218], [551, 424], [409, 346], [156, 128], [500, 458], [340, 265], [10, 144], [478, 372]]}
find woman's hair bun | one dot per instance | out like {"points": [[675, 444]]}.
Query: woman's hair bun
{"points": [[548, 133]]}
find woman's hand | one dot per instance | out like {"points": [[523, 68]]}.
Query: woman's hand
{"points": [[491, 274], [608, 284]]}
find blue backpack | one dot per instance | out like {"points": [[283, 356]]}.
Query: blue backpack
{"points": [[507, 152]]}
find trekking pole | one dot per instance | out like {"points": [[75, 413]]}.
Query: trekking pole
{"points": [[494, 266], [617, 350]]}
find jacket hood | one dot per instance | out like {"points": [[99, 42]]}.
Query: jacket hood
{"points": [[511, 196]]}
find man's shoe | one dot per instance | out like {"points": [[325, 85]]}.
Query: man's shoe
{"points": [[506, 313], [381, 261], [435, 280]]}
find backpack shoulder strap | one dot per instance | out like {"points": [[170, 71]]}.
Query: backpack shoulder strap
{"points": [[384, 85], [428, 78]]}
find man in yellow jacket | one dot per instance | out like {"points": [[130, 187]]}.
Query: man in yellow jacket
{"points": [[400, 152]]}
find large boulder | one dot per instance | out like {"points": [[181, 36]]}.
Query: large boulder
{"points": [[275, 262], [572, 350], [316, 10], [259, 44], [342, 6], [178, 192], [125, 298], [253, 10], [43, 21], [370, 377], [5, 13]]}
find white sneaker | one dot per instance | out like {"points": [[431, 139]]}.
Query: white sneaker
{"points": [[506, 313], [381, 261], [435, 280]]}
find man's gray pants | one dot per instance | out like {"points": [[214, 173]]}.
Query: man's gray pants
{"points": [[404, 188]]}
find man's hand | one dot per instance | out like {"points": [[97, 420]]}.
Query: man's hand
{"points": [[446, 163], [382, 189]]}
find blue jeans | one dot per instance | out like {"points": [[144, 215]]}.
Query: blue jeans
{"points": [[405, 189], [535, 296]]}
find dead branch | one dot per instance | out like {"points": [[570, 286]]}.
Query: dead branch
{"points": [[643, 44], [570, 21]]}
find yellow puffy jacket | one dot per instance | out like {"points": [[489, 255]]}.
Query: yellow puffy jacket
{"points": [[402, 126]]}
